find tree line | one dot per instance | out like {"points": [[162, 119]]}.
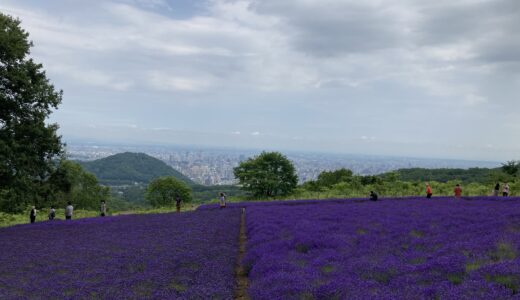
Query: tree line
{"points": [[271, 175]]}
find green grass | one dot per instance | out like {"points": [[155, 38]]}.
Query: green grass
{"points": [[15, 219], [511, 282], [504, 251], [456, 278]]}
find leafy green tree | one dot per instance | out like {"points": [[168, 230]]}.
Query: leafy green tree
{"points": [[78, 186], [330, 178], [28, 146], [163, 191], [268, 175], [511, 167]]}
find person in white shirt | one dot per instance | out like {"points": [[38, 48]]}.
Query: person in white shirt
{"points": [[505, 190], [68, 211], [222, 200], [52, 213]]}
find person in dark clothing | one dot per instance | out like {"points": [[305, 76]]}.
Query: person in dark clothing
{"points": [[103, 208], [32, 215], [373, 196], [52, 213], [496, 190], [178, 201]]}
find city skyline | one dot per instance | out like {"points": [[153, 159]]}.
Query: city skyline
{"points": [[214, 166], [399, 78]]}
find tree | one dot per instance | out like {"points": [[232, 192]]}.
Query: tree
{"points": [[163, 191], [29, 147], [268, 175], [330, 178], [78, 186], [511, 167]]}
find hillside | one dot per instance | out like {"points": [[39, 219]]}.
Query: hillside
{"points": [[127, 168], [477, 175]]}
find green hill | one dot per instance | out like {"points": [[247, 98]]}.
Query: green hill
{"points": [[478, 175], [128, 168]]}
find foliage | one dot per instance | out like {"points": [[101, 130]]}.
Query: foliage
{"points": [[135, 194], [355, 188], [479, 175], [330, 178], [129, 168], [28, 146], [511, 167], [164, 190], [84, 191], [268, 175]]}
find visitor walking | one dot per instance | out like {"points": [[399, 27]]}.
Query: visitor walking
{"points": [[178, 201], [222, 200], [52, 213], [496, 190], [32, 214], [69, 211], [428, 191], [505, 190], [457, 191], [373, 196], [103, 208]]}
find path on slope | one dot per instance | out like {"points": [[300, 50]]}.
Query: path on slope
{"points": [[241, 273]]}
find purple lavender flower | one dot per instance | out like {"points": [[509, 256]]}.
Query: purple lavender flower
{"points": [[164, 256]]}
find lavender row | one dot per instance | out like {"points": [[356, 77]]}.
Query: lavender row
{"points": [[247, 204], [414, 249], [164, 256]]}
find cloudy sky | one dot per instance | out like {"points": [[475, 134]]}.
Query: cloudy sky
{"points": [[392, 77]]}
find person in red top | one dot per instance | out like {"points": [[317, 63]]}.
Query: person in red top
{"points": [[428, 191], [457, 191]]}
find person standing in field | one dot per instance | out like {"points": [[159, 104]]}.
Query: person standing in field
{"points": [[428, 191], [457, 191], [69, 211], [32, 214], [496, 190], [222, 200], [373, 196], [505, 190], [178, 201], [52, 213], [103, 208]]}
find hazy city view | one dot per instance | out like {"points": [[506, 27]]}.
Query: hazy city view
{"points": [[214, 166]]}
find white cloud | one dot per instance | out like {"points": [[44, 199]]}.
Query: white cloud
{"points": [[165, 82], [295, 67]]}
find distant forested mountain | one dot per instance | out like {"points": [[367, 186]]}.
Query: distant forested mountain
{"points": [[477, 175], [127, 168]]}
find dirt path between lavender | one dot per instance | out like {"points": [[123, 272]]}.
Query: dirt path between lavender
{"points": [[241, 274]]}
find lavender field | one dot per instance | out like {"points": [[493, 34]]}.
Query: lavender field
{"points": [[400, 248], [162, 256], [393, 249]]}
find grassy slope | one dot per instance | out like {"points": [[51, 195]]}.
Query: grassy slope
{"points": [[14, 219]]}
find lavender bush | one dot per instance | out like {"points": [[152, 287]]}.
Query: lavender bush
{"points": [[440, 248], [163, 256]]}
